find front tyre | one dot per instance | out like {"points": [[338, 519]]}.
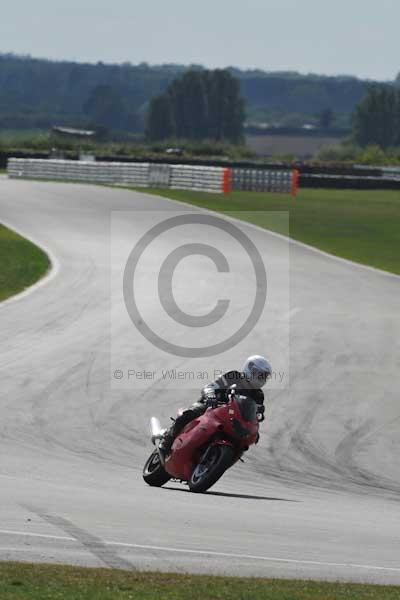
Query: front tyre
{"points": [[154, 473], [214, 464]]}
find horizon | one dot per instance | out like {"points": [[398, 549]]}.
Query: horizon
{"points": [[243, 69]]}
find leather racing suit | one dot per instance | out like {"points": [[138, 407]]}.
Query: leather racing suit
{"points": [[213, 395]]}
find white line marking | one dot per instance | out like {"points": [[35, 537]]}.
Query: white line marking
{"points": [[287, 239], [51, 274], [210, 553], [254, 557], [37, 535], [213, 212], [54, 267]]}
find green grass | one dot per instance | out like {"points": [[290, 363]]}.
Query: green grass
{"points": [[363, 226], [21, 263], [24, 138], [12, 140], [44, 582]]}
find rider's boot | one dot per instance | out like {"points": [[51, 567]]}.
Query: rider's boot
{"points": [[169, 436], [165, 445]]}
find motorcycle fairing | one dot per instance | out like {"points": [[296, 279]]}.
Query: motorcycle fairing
{"points": [[196, 434]]}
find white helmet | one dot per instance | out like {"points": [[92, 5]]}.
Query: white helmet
{"points": [[257, 369]]}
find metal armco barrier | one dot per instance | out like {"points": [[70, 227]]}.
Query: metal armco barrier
{"points": [[70, 170], [183, 177], [265, 180], [159, 175], [208, 179]]}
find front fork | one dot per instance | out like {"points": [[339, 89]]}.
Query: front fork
{"points": [[221, 442]]}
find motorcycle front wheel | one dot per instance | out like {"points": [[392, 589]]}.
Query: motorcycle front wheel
{"points": [[154, 473], [211, 467]]}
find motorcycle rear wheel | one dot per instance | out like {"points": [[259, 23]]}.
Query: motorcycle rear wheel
{"points": [[216, 461], [154, 473]]}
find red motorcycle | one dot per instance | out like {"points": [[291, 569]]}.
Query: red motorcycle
{"points": [[206, 447]]}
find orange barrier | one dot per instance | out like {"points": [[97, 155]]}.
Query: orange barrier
{"points": [[295, 181], [227, 181]]}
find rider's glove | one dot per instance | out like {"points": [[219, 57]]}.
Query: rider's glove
{"points": [[260, 413], [211, 399]]}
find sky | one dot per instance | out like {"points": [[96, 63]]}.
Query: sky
{"points": [[352, 37]]}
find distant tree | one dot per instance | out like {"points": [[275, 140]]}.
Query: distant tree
{"points": [[226, 107], [199, 105], [373, 155], [326, 118], [160, 121], [105, 107], [377, 117], [195, 104]]}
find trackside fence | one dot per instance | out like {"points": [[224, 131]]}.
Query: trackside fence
{"points": [[265, 180], [181, 177]]}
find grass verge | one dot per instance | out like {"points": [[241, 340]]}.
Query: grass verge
{"points": [[363, 226], [21, 263], [19, 581]]}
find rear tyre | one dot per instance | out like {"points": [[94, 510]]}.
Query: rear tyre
{"points": [[216, 461], [154, 473]]}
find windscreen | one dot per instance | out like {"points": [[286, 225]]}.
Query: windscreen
{"points": [[247, 407]]}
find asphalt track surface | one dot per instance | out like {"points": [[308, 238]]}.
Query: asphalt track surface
{"points": [[317, 498]]}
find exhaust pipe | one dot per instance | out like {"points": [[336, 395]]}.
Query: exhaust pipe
{"points": [[156, 430]]}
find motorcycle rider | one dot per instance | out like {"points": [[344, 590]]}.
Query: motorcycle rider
{"points": [[248, 382]]}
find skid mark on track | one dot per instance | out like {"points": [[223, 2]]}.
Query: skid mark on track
{"points": [[348, 447], [311, 452], [91, 543]]}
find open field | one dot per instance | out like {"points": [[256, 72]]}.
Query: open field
{"points": [[33, 138], [118, 145], [363, 226], [21, 263], [293, 145], [37, 582]]}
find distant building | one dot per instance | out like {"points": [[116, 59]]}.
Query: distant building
{"points": [[309, 127], [60, 135], [70, 132]]}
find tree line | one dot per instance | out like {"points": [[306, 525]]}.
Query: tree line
{"points": [[199, 105], [37, 93], [377, 117]]}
